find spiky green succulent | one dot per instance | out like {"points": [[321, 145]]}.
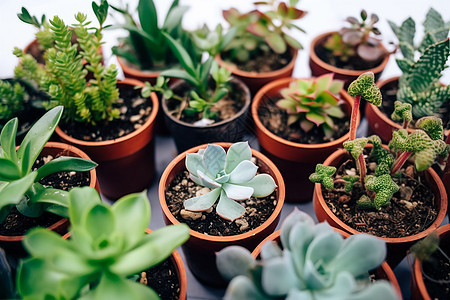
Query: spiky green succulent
{"points": [[231, 176], [313, 262], [312, 102]]}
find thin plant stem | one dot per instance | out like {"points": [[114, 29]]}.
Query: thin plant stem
{"points": [[355, 111], [405, 124], [362, 169], [400, 161]]}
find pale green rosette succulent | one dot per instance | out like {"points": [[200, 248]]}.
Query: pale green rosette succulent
{"points": [[231, 176]]}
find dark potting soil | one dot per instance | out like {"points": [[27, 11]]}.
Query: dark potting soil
{"points": [[353, 63], [18, 224], [413, 208], [260, 62], [163, 280], [225, 108], [258, 210], [275, 119], [134, 112], [436, 274], [389, 93]]}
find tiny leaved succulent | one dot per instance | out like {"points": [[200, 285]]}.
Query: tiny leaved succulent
{"points": [[312, 102], [230, 175], [313, 262]]}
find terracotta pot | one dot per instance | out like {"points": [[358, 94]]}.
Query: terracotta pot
{"points": [[175, 258], [418, 287], [296, 161], [200, 249], [319, 67], [187, 135], [382, 272], [126, 164], [446, 174], [397, 247], [13, 244], [255, 80]]}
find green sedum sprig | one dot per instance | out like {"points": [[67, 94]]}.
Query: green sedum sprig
{"points": [[11, 99]]}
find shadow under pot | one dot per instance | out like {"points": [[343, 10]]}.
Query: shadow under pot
{"points": [[432, 190], [384, 271], [230, 129], [296, 161], [430, 279], [12, 243], [126, 164], [200, 250]]}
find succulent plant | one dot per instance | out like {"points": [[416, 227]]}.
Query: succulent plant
{"points": [[357, 40], [231, 176], [312, 102], [11, 99], [424, 144], [313, 262], [107, 245], [259, 30], [419, 84], [43, 35]]}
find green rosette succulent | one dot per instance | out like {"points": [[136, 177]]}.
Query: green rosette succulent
{"points": [[313, 262], [231, 176]]}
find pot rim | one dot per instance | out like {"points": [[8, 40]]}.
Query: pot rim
{"points": [[148, 123], [242, 111], [93, 183], [313, 56], [135, 72], [277, 84], [222, 239], [417, 272], [260, 75], [440, 217]]}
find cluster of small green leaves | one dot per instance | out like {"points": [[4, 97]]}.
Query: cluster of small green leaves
{"points": [[312, 102], [11, 99], [44, 36], [145, 45], [419, 84], [262, 31], [357, 40]]}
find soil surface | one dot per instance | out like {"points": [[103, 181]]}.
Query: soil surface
{"points": [[18, 224], [436, 274], [163, 279], [134, 112], [275, 119], [258, 210], [260, 62], [353, 63], [413, 208], [225, 108]]}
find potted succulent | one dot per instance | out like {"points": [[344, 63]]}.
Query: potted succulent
{"points": [[381, 193], [207, 105], [304, 260], [263, 48], [109, 120], [26, 198], [108, 244], [349, 52], [222, 199], [431, 266], [298, 123]]}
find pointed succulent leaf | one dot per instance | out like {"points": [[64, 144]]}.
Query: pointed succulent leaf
{"points": [[237, 153], [356, 146], [433, 21], [407, 51], [365, 202], [8, 139], [11, 193], [234, 261], [203, 202], [383, 186], [81, 200], [99, 221], [276, 42], [9, 171], [228, 208], [194, 162], [65, 163], [323, 175], [402, 111], [237, 192], [405, 65], [399, 141], [244, 172], [365, 86], [426, 157], [342, 287], [262, 184], [431, 125], [324, 248]]}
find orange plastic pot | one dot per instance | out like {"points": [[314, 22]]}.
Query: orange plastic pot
{"points": [[200, 250], [319, 67], [126, 164], [256, 80], [397, 247], [418, 287], [13, 244], [187, 135], [382, 272], [296, 161]]}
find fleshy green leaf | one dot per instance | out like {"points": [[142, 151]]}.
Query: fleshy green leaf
{"points": [[65, 163], [202, 203], [262, 184], [228, 208], [244, 172], [234, 261], [237, 153], [8, 139], [214, 158], [237, 192]]}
